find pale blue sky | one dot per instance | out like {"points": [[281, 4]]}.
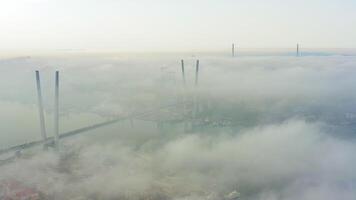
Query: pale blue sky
{"points": [[168, 25]]}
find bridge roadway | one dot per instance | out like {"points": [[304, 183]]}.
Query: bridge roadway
{"points": [[50, 140]]}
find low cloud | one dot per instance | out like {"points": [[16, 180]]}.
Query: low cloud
{"points": [[287, 133]]}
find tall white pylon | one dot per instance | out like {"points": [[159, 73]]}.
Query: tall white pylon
{"points": [[183, 72], [56, 110], [40, 108], [233, 50]]}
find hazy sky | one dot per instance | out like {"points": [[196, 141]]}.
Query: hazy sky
{"points": [[169, 25]]}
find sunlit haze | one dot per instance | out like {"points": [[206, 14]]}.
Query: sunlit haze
{"points": [[171, 25]]}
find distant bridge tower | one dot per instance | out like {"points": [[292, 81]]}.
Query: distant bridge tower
{"points": [[298, 51], [233, 50]]}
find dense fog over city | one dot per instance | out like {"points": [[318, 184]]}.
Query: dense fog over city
{"points": [[253, 127], [177, 100]]}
